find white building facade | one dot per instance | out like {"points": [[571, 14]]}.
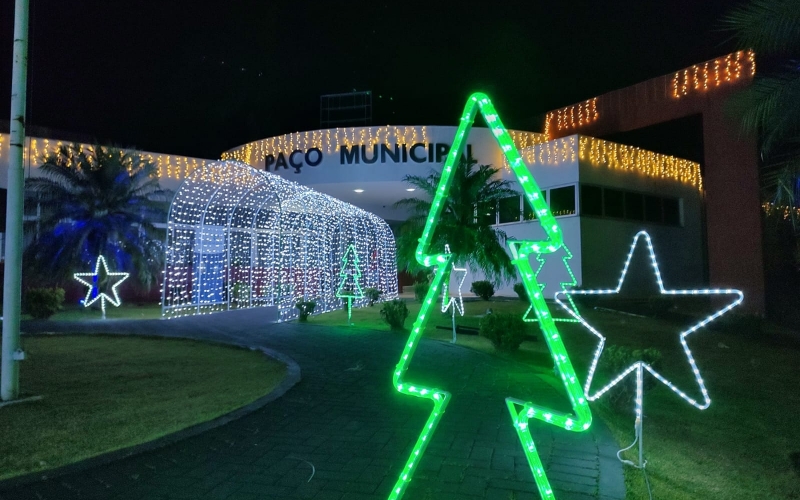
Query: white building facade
{"points": [[603, 193]]}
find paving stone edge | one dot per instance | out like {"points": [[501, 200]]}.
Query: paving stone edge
{"points": [[293, 376]]}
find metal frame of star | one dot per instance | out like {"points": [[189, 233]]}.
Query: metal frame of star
{"points": [[101, 295], [459, 305], [708, 291]]}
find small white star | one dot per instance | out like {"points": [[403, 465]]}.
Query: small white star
{"points": [[94, 285]]}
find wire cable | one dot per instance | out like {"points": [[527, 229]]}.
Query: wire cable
{"points": [[637, 466]]}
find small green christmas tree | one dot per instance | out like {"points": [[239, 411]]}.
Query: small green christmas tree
{"points": [[530, 315], [349, 287]]}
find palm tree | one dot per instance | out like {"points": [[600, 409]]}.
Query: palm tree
{"points": [[770, 107], [465, 223], [94, 201]]}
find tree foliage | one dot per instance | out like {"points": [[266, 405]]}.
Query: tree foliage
{"points": [[463, 225], [770, 107], [94, 201]]}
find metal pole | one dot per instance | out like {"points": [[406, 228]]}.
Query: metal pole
{"points": [[640, 410], [12, 286], [453, 314]]}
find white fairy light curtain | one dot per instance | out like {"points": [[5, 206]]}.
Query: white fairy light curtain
{"points": [[238, 237]]}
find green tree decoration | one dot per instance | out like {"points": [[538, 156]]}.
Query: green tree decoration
{"points": [[349, 287], [530, 314], [521, 412]]}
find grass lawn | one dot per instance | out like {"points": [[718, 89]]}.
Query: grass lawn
{"points": [[103, 393], [746, 445], [533, 352], [75, 312]]}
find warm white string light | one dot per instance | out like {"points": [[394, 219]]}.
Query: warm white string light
{"points": [[113, 299], [239, 237]]}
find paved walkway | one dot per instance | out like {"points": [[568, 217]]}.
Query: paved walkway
{"points": [[345, 419]]}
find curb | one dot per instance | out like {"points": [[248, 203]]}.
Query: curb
{"points": [[293, 376]]}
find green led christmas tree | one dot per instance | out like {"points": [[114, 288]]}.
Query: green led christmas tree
{"points": [[349, 287], [580, 418], [530, 314]]}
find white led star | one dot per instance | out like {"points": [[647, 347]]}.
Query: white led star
{"points": [[639, 366], [94, 285], [458, 304]]}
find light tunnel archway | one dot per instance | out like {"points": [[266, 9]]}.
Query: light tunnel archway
{"points": [[239, 238]]}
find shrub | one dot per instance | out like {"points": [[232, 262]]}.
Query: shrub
{"points": [[372, 295], [520, 289], [614, 360], [483, 289], [505, 331], [306, 307], [395, 313], [421, 290], [41, 303]]}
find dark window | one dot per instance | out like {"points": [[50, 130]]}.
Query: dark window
{"points": [[591, 200], [672, 212], [613, 203], [634, 206], [487, 213], [562, 201], [509, 209], [527, 211], [652, 209]]}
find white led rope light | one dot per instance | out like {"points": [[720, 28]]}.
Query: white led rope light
{"points": [[452, 303], [240, 237], [639, 366], [93, 285]]}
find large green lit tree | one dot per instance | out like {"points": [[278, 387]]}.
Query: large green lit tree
{"points": [[91, 201], [466, 220]]}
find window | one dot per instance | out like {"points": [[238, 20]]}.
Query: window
{"points": [[634, 206], [618, 203], [591, 200], [562, 201], [509, 209], [487, 213], [527, 211], [672, 212], [613, 203], [652, 209]]}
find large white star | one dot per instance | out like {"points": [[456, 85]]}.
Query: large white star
{"points": [[94, 285], [640, 365]]}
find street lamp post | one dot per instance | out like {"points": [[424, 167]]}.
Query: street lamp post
{"points": [[12, 286]]}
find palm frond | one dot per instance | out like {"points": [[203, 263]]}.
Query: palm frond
{"points": [[770, 106], [767, 26], [472, 241], [92, 201]]}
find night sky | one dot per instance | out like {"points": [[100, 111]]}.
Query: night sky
{"points": [[197, 78]]}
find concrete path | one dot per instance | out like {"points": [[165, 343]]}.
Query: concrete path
{"points": [[346, 424]]}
